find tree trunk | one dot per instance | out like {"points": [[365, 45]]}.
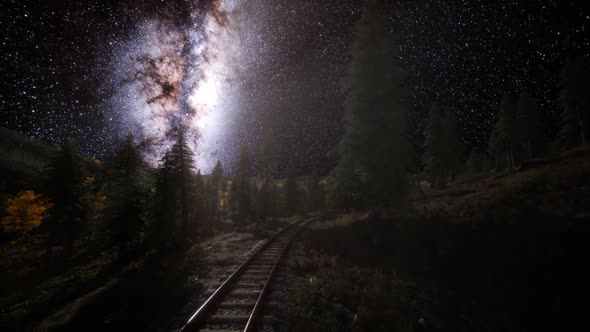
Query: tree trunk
{"points": [[581, 124]]}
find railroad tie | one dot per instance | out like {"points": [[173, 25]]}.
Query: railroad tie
{"points": [[228, 318], [229, 304]]}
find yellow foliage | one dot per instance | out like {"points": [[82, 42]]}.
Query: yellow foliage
{"points": [[425, 186], [100, 202], [89, 180], [26, 210]]}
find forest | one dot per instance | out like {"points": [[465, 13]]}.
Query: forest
{"points": [[400, 234]]}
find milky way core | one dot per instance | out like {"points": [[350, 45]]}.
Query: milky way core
{"points": [[175, 77]]}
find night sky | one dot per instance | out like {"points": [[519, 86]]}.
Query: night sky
{"points": [[228, 70]]}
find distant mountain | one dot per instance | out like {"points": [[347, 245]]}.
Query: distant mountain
{"points": [[22, 158]]}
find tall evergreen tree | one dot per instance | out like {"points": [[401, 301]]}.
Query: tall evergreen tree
{"points": [[316, 195], [347, 189], [216, 188], [454, 148], [291, 191], [182, 161], [269, 155], [530, 124], [126, 174], [240, 189], [434, 147], [264, 205], [504, 136], [574, 101], [64, 178], [199, 210], [164, 203], [375, 140]]}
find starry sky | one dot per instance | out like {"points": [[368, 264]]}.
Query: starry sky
{"points": [[228, 70]]}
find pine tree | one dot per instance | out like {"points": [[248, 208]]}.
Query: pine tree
{"points": [[347, 186], [530, 124], [164, 206], [269, 155], [434, 149], [504, 136], [126, 188], [291, 191], [182, 166], [477, 162], [375, 141], [64, 178], [264, 200], [240, 189], [454, 148], [316, 195], [216, 188], [574, 83]]}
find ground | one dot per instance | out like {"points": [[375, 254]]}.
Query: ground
{"points": [[91, 289], [497, 251]]}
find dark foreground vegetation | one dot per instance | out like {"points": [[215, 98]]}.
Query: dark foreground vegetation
{"points": [[409, 274], [499, 251]]}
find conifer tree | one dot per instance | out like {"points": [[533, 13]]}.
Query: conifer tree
{"points": [[574, 101], [504, 136], [291, 191], [216, 187], [264, 206], [240, 188], [182, 162], [375, 141], [269, 155], [64, 178], [199, 209], [164, 207], [316, 195], [126, 188], [347, 186], [453, 146], [530, 124], [434, 147]]}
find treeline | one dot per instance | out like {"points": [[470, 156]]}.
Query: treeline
{"points": [[124, 202], [520, 133], [376, 160]]}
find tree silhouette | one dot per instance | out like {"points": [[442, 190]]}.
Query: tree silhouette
{"points": [[434, 147], [504, 136], [454, 148], [530, 124], [182, 174], [240, 188], [126, 188], [164, 203], [574, 82], [64, 177], [375, 140], [291, 191], [216, 188], [264, 204], [316, 195]]}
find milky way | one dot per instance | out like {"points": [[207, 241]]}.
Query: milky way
{"points": [[170, 78], [228, 71]]}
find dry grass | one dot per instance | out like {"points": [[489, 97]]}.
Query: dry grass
{"points": [[555, 188], [340, 220]]}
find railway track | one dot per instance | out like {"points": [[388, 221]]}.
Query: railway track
{"points": [[236, 305]]}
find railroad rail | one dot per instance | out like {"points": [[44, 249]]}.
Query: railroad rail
{"points": [[236, 305]]}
